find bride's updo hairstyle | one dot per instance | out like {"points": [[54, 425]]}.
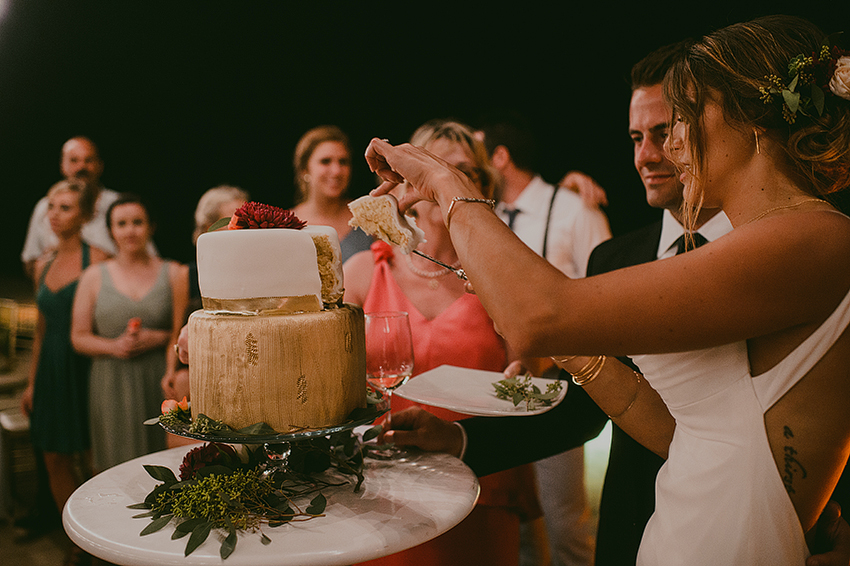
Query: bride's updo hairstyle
{"points": [[736, 67]]}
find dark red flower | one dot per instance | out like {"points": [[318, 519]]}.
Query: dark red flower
{"points": [[206, 455], [258, 215]]}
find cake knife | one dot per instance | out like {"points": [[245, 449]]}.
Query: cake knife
{"points": [[461, 274]]}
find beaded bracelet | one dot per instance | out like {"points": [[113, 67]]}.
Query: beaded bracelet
{"points": [[488, 201], [590, 371], [637, 390]]}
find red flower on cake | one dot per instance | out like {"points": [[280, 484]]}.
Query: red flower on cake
{"points": [[206, 455], [258, 215]]}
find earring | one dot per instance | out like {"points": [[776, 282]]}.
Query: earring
{"points": [[758, 149], [306, 178]]}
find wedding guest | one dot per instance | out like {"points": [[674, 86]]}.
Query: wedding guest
{"points": [[127, 310], [558, 225], [322, 164], [80, 160], [216, 203], [56, 397], [745, 352], [451, 327]]}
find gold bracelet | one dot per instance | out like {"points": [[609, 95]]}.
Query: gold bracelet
{"points": [[590, 371], [626, 410], [560, 360], [488, 201]]}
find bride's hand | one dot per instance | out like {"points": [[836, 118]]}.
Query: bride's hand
{"points": [[429, 177]]}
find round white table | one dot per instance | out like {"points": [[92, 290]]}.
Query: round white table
{"points": [[401, 504]]}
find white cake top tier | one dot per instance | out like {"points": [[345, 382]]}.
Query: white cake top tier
{"points": [[255, 271]]}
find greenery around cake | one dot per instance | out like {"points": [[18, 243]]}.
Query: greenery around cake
{"points": [[220, 489]]}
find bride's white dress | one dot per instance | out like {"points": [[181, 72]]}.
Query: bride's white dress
{"points": [[720, 498]]}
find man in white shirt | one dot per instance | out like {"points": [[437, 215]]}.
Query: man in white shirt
{"points": [[80, 160], [558, 225]]}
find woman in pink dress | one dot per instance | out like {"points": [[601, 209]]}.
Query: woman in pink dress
{"points": [[449, 326]]}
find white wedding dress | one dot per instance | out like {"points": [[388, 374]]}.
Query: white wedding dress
{"points": [[720, 499]]}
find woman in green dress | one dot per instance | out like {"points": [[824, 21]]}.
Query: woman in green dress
{"points": [[56, 398]]}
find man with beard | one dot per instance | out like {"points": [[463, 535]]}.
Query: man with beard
{"points": [[80, 160]]}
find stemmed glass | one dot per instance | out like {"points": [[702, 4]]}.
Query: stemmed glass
{"points": [[389, 358]]}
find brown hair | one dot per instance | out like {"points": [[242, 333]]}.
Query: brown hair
{"points": [[304, 150], [729, 66]]}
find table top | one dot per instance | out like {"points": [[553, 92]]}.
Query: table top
{"points": [[401, 504]]}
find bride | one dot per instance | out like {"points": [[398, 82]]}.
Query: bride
{"points": [[744, 338]]}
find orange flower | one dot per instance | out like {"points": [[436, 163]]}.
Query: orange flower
{"points": [[184, 404], [169, 405]]}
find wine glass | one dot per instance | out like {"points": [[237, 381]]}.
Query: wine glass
{"points": [[389, 358]]}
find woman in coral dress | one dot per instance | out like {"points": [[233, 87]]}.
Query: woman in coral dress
{"points": [[449, 326]]}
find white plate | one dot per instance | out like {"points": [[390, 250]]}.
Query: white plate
{"points": [[469, 391]]}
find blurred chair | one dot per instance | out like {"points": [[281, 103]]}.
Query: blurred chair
{"points": [[8, 335], [17, 463]]}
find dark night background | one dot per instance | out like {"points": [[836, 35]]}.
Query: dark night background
{"points": [[183, 96]]}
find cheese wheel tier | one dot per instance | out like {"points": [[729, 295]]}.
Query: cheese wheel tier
{"points": [[292, 372]]}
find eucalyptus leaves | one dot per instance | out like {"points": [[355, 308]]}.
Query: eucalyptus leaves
{"points": [[520, 389], [218, 490], [811, 80]]}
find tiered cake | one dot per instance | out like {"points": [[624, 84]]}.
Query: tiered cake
{"points": [[274, 342]]}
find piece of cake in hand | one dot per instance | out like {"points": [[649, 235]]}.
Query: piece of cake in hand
{"points": [[380, 217]]}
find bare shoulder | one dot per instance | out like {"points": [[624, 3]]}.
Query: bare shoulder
{"points": [[90, 279], [98, 255], [177, 270]]}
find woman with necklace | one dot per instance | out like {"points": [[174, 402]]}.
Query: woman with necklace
{"points": [[126, 311], [56, 398], [449, 326], [743, 343]]}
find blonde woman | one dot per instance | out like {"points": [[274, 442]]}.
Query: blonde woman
{"points": [[56, 398], [449, 326]]}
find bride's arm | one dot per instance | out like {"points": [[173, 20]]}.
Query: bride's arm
{"points": [[759, 279]]}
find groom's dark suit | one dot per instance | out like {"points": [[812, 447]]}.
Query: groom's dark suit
{"points": [[628, 495]]}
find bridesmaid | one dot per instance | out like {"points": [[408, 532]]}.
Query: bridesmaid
{"points": [[322, 174], [126, 311], [56, 398]]}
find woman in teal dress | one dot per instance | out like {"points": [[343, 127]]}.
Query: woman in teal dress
{"points": [[56, 398], [127, 310]]}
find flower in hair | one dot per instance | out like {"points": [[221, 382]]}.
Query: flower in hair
{"points": [[812, 81], [257, 215], [839, 84]]}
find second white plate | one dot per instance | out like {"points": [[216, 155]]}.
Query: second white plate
{"points": [[469, 391]]}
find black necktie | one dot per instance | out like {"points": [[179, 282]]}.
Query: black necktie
{"points": [[699, 240], [512, 212]]}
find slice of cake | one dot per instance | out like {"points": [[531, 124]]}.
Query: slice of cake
{"points": [[274, 343], [379, 217]]}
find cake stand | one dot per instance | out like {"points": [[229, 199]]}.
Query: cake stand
{"points": [[401, 504], [277, 446]]}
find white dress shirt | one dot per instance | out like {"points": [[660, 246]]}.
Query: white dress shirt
{"points": [[574, 228]]}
